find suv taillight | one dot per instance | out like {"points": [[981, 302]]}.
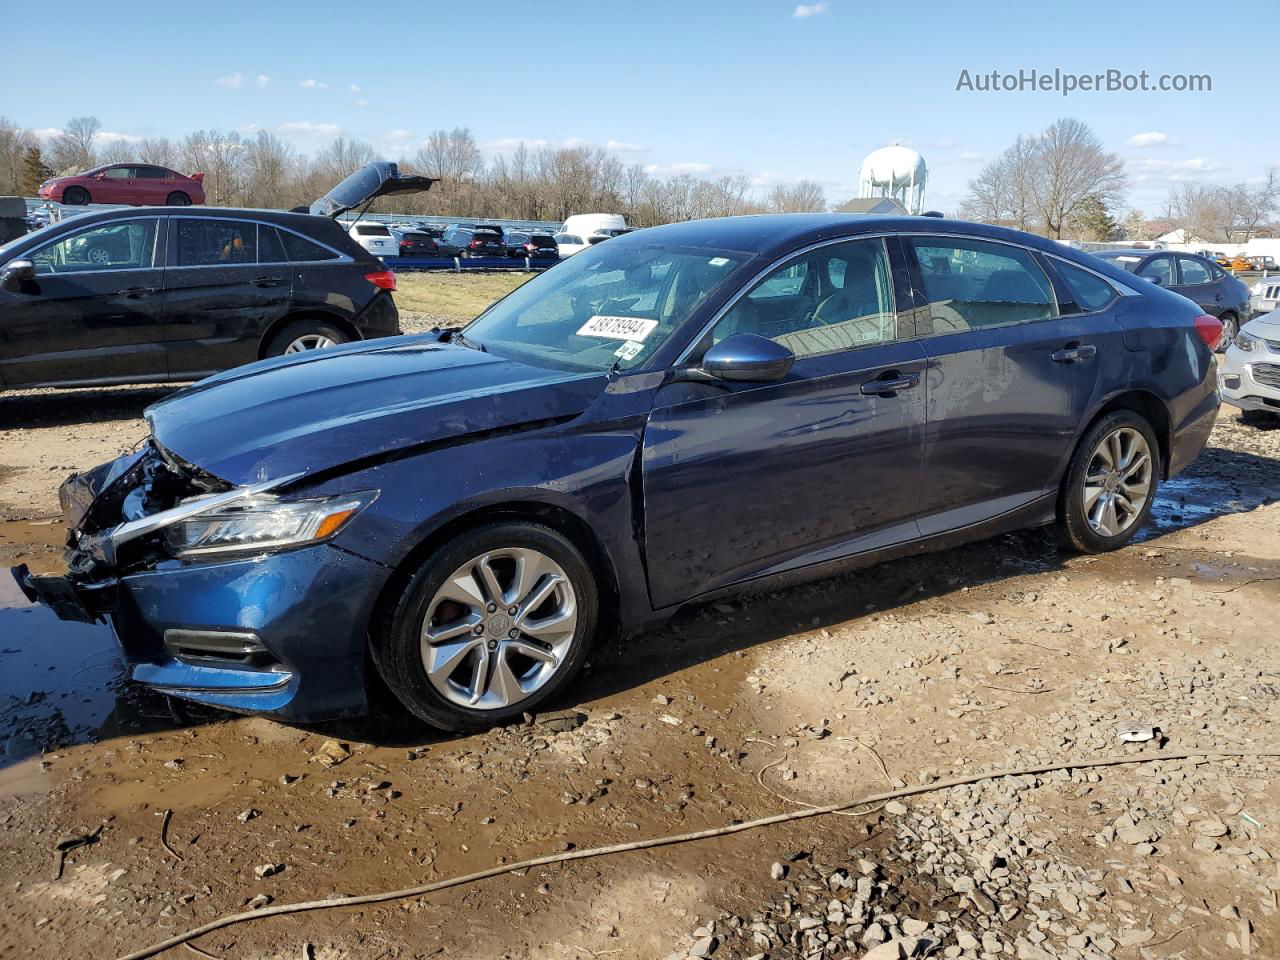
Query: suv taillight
{"points": [[1210, 330], [383, 279]]}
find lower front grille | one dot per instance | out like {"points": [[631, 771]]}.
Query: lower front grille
{"points": [[1267, 374]]}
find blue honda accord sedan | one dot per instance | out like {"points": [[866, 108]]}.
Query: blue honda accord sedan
{"points": [[681, 412]]}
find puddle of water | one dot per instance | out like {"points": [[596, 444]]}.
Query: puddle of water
{"points": [[1188, 499], [60, 683]]}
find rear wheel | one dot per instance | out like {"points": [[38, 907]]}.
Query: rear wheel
{"points": [[75, 196], [178, 199], [1110, 485], [303, 335], [1230, 327], [489, 626]]}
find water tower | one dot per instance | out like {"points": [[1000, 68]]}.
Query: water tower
{"points": [[896, 171]]}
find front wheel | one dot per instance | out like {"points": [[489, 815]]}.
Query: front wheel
{"points": [[489, 626], [1110, 484], [75, 196]]}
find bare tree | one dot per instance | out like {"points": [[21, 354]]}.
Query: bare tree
{"points": [[1072, 166], [160, 151], [1206, 212], [15, 144], [1003, 190], [72, 150], [807, 196], [1256, 203]]}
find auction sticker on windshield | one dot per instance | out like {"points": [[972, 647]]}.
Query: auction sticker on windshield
{"points": [[618, 328]]}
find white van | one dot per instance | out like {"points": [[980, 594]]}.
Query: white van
{"points": [[585, 224]]}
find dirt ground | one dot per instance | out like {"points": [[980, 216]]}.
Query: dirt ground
{"points": [[1006, 652]]}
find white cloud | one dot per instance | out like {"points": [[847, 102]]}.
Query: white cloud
{"points": [[619, 146], [1152, 138], [307, 128], [399, 136], [678, 168], [310, 84], [233, 81], [111, 136], [362, 103], [354, 88], [968, 156], [803, 10], [261, 81]]}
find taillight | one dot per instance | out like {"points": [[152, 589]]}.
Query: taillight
{"points": [[383, 279], [1210, 330], [474, 244], [530, 247]]}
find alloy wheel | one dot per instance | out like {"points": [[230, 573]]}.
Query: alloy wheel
{"points": [[1117, 482], [499, 628], [99, 256], [309, 341]]}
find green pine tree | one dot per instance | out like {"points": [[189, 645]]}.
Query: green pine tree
{"points": [[34, 171]]}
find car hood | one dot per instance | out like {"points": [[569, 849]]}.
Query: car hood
{"points": [[1267, 325], [308, 413], [380, 179]]}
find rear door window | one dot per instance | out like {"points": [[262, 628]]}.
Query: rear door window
{"points": [[214, 243], [1193, 271], [971, 284]]}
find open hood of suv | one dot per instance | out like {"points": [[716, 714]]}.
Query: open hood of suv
{"points": [[379, 179]]}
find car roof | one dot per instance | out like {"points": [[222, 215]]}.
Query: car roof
{"points": [[298, 221], [773, 234], [1130, 252]]}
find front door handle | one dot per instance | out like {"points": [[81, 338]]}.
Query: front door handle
{"points": [[137, 293], [889, 383], [268, 281], [1072, 354]]}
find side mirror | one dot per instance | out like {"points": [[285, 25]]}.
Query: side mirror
{"points": [[16, 273], [747, 358], [1156, 280]]}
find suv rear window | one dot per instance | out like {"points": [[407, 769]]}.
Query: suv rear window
{"points": [[542, 242], [373, 231]]}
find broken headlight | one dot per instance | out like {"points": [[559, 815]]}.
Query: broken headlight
{"points": [[262, 524]]}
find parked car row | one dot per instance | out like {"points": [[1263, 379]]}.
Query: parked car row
{"points": [[667, 416]]}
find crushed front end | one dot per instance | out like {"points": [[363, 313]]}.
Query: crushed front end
{"points": [[230, 596]]}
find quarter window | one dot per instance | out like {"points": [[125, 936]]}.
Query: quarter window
{"points": [[118, 245], [203, 243], [1193, 271], [837, 297], [302, 250], [971, 284], [1089, 291], [270, 249]]}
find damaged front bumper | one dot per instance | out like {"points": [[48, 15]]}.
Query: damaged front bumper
{"points": [[280, 633]]}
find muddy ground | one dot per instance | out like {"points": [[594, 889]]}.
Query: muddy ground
{"points": [[1005, 652]]}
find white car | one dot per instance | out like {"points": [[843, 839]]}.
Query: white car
{"points": [[375, 237], [569, 243], [1249, 374], [1264, 295]]}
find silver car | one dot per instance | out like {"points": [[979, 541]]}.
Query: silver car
{"points": [[1249, 374]]}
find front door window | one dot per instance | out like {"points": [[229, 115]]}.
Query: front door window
{"points": [[117, 245]]}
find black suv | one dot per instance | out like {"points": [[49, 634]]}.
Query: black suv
{"points": [[157, 294], [469, 241]]}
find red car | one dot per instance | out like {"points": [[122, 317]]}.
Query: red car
{"points": [[135, 184]]}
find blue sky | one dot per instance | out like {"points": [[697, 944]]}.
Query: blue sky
{"points": [[770, 89]]}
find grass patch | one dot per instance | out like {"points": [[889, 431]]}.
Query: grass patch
{"points": [[453, 296]]}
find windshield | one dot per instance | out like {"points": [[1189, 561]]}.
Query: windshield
{"points": [[608, 305]]}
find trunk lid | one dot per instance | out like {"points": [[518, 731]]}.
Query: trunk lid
{"points": [[379, 179]]}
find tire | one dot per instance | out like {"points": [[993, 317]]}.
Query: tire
{"points": [[98, 256], [1086, 529], [303, 335], [467, 690], [1259, 418], [1230, 327], [75, 197], [177, 199]]}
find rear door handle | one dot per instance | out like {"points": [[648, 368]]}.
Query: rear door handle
{"points": [[269, 281], [889, 384], [1085, 351]]}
